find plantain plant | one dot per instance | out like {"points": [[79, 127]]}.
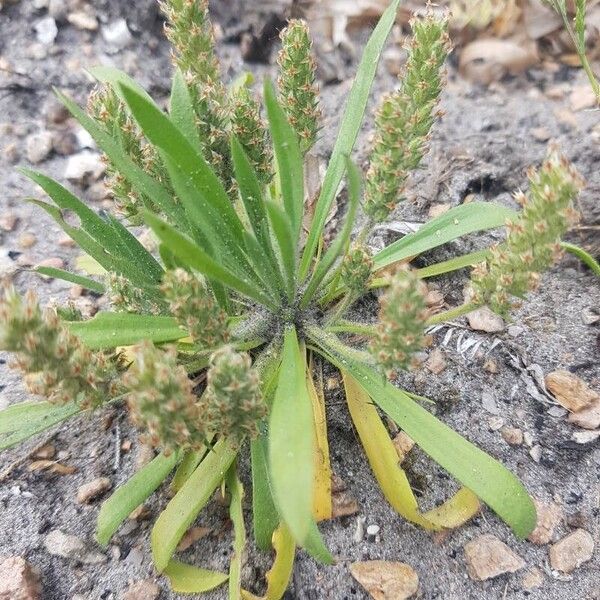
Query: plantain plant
{"points": [[216, 339]]}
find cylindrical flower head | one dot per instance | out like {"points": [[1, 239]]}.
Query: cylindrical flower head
{"points": [[56, 363], [161, 400], [402, 317], [356, 269], [405, 117], [190, 32], [195, 308], [112, 115], [533, 241], [298, 91], [250, 130], [233, 405]]}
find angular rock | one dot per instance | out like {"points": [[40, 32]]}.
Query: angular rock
{"points": [[549, 517], [84, 168], [83, 20], [117, 34], [436, 362], [483, 319], [572, 551], [386, 580], [142, 590], [58, 543], [587, 418], [532, 579], [46, 31], [38, 146], [570, 391], [91, 490], [487, 557], [18, 580], [512, 435]]}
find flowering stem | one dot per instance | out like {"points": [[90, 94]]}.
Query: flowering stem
{"points": [[453, 313], [585, 257]]}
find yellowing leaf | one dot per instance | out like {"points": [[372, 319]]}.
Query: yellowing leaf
{"points": [[383, 458], [322, 503], [187, 579], [279, 574]]}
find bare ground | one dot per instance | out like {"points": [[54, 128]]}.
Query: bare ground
{"points": [[482, 146]]}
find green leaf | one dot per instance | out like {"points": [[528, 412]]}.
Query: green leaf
{"points": [[196, 258], [454, 264], [458, 221], [340, 243], [22, 421], [236, 514], [114, 77], [476, 470], [252, 197], [282, 228], [191, 459], [264, 514], [187, 579], [349, 128], [131, 494], [109, 330], [289, 160], [211, 197], [97, 251], [291, 442], [147, 186], [184, 507], [181, 111], [84, 282]]}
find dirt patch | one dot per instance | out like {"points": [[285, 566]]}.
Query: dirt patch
{"points": [[481, 147]]}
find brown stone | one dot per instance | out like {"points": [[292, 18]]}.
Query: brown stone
{"points": [[436, 362], [18, 580], [549, 517], [512, 435], [91, 490], [487, 557], [142, 590], [572, 551], [570, 391], [386, 580]]}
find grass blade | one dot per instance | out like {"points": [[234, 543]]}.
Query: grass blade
{"points": [[350, 126], [458, 221], [131, 494], [288, 158], [236, 514]]}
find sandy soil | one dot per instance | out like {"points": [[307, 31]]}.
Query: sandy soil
{"points": [[482, 146]]}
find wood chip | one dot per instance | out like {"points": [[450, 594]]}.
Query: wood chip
{"points": [[51, 466], [191, 537], [570, 391]]}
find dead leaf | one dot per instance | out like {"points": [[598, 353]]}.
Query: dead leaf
{"points": [[47, 451], [386, 580], [191, 537], [51, 466], [487, 60]]}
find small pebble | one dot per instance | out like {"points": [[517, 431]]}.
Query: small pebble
{"points": [[483, 319], [572, 551], [142, 590], [26, 240], [46, 31], [532, 579], [512, 435], [19, 580], [549, 517], [38, 146], [488, 557], [8, 221], [83, 20], [117, 34], [91, 490]]}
